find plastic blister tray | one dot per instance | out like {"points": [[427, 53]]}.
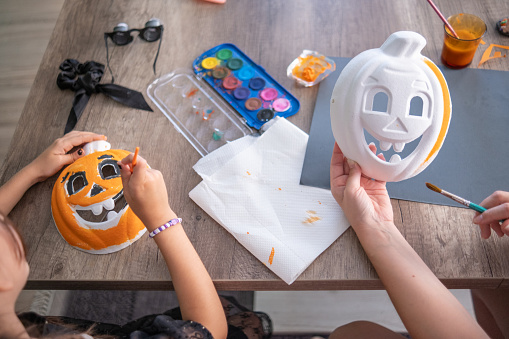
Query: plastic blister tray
{"points": [[246, 86], [196, 111]]}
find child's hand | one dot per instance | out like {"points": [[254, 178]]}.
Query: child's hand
{"points": [[55, 156], [145, 192], [497, 205]]}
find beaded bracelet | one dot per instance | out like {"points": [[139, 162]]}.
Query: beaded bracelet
{"points": [[165, 226]]}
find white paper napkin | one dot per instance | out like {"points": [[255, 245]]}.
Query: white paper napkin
{"points": [[251, 187]]}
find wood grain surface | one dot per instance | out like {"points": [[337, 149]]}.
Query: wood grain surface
{"points": [[25, 31], [272, 33]]}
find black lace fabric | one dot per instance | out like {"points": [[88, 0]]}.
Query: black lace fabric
{"points": [[242, 324], [163, 326], [253, 325]]}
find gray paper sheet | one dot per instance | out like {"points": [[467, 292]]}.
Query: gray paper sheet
{"points": [[474, 160]]}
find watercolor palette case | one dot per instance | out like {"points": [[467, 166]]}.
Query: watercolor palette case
{"points": [[223, 100], [246, 86]]}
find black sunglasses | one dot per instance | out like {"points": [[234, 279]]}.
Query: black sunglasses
{"points": [[122, 36]]}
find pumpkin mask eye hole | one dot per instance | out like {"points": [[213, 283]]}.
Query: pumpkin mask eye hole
{"points": [[108, 169], [76, 183]]}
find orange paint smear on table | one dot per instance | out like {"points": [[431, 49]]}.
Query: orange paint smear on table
{"points": [[310, 67], [271, 256], [486, 55], [311, 218]]}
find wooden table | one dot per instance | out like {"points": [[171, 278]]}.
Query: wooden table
{"points": [[272, 33]]}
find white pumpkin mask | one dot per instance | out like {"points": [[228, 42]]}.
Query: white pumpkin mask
{"points": [[397, 96]]}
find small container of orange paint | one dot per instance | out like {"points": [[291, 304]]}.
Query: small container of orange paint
{"points": [[310, 68], [459, 52]]}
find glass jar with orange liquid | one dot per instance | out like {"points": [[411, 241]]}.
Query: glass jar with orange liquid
{"points": [[459, 52]]}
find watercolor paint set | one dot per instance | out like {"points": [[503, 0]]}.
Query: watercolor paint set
{"points": [[246, 86], [227, 97]]}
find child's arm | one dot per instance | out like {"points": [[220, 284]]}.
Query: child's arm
{"points": [[425, 305], [146, 194], [44, 166]]}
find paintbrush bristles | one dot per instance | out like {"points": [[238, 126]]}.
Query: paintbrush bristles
{"points": [[433, 187], [135, 158], [447, 194]]}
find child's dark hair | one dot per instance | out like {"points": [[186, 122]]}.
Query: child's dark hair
{"points": [[28, 320]]}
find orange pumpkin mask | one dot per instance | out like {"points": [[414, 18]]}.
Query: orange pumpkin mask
{"points": [[88, 203]]}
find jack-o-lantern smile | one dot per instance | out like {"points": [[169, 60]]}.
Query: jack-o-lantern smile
{"points": [[94, 216], [89, 207]]}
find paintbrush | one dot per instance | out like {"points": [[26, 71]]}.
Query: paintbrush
{"points": [[454, 197], [443, 19], [135, 158]]}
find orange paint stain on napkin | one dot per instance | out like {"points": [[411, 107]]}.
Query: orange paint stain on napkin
{"points": [[271, 256], [312, 217]]}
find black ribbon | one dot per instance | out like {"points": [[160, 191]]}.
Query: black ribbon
{"points": [[84, 80]]}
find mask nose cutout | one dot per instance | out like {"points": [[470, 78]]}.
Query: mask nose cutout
{"points": [[96, 189], [397, 126]]}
